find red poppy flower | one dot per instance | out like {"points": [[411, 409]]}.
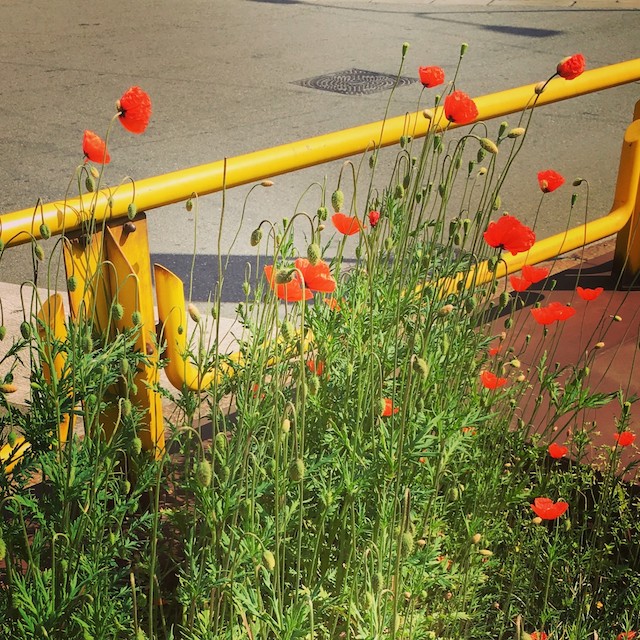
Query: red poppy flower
{"points": [[469, 431], [374, 217], [549, 180], [291, 291], [538, 635], [494, 351], [534, 274], [316, 276], [94, 148], [519, 284], [135, 109], [431, 76], [626, 635], [345, 224], [547, 509], [491, 380], [389, 409], [316, 367], [571, 67], [554, 311], [557, 451], [460, 108], [509, 234], [589, 294], [625, 438]]}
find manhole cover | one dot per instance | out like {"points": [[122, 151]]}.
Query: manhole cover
{"points": [[354, 82]]}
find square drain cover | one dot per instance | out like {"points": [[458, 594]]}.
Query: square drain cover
{"points": [[354, 82]]}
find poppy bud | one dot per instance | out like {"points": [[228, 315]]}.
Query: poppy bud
{"points": [[3, 332], [136, 446], [472, 164], [337, 200], [313, 253], [372, 160], [539, 88], [194, 313], [296, 470], [377, 581], [12, 439], [420, 366], [45, 232], [574, 199], [256, 236], [405, 48], [126, 407], [269, 560], [285, 427], [470, 304], [117, 311], [25, 330], [133, 389], [463, 48], [266, 183], [136, 318], [485, 552], [94, 172], [445, 310], [221, 442], [3, 550], [406, 544], [388, 243], [481, 154], [508, 323], [132, 211], [90, 184], [87, 343], [403, 141], [314, 385], [39, 252], [497, 202], [124, 366], [504, 300], [322, 213], [399, 193], [516, 132], [188, 205], [246, 288], [72, 283], [475, 538], [489, 145], [203, 473], [284, 276]]}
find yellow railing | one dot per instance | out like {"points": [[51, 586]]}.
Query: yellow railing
{"points": [[19, 226], [123, 246]]}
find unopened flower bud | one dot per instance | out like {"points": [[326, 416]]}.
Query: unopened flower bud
{"points": [[407, 544], [256, 236], [405, 48], [283, 276], [337, 200], [539, 88], [515, 363], [136, 318], [285, 427], [536, 520], [314, 385], [72, 283], [503, 127], [296, 470], [132, 211], [269, 560], [90, 184], [203, 473], [194, 312], [45, 232], [476, 538], [266, 183], [126, 407], [485, 552], [421, 367], [445, 310], [188, 205], [136, 446], [117, 311], [313, 253], [463, 48], [489, 145], [3, 331], [322, 213], [25, 330], [39, 252], [482, 171], [577, 182], [516, 132], [497, 202]]}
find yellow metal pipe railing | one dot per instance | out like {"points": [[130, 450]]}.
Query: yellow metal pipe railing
{"points": [[18, 227]]}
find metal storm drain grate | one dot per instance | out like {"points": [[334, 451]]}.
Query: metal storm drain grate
{"points": [[354, 82]]}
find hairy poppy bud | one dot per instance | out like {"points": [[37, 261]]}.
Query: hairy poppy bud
{"points": [[463, 48], [188, 205], [256, 236], [516, 132], [284, 276], [406, 544], [313, 253], [45, 232], [296, 470], [72, 283], [194, 313], [489, 145], [132, 211], [269, 560], [266, 183], [314, 385], [124, 366], [481, 155], [420, 366], [476, 538], [3, 332], [25, 329], [126, 407], [90, 184], [405, 48], [399, 192], [3, 549], [337, 200], [288, 330], [136, 318], [117, 311], [39, 252], [285, 427], [322, 213], [136, 446], [203, 473]]}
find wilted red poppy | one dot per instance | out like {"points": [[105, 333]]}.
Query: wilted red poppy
{"points": [[134, 109], [557, 451], [547, 509], [554, 311], [626, 635], [332, 303], [460, 108], [389, 409], [589, 294], [374, 217], [316, 276], [346, 224], [534, 274], [571, 67], [538, 635], [315, 366], [625, 438], [94, 148], [491, 380], [290, 291], [509, 234], [431, 76], [549, 180], [519, 284]]}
